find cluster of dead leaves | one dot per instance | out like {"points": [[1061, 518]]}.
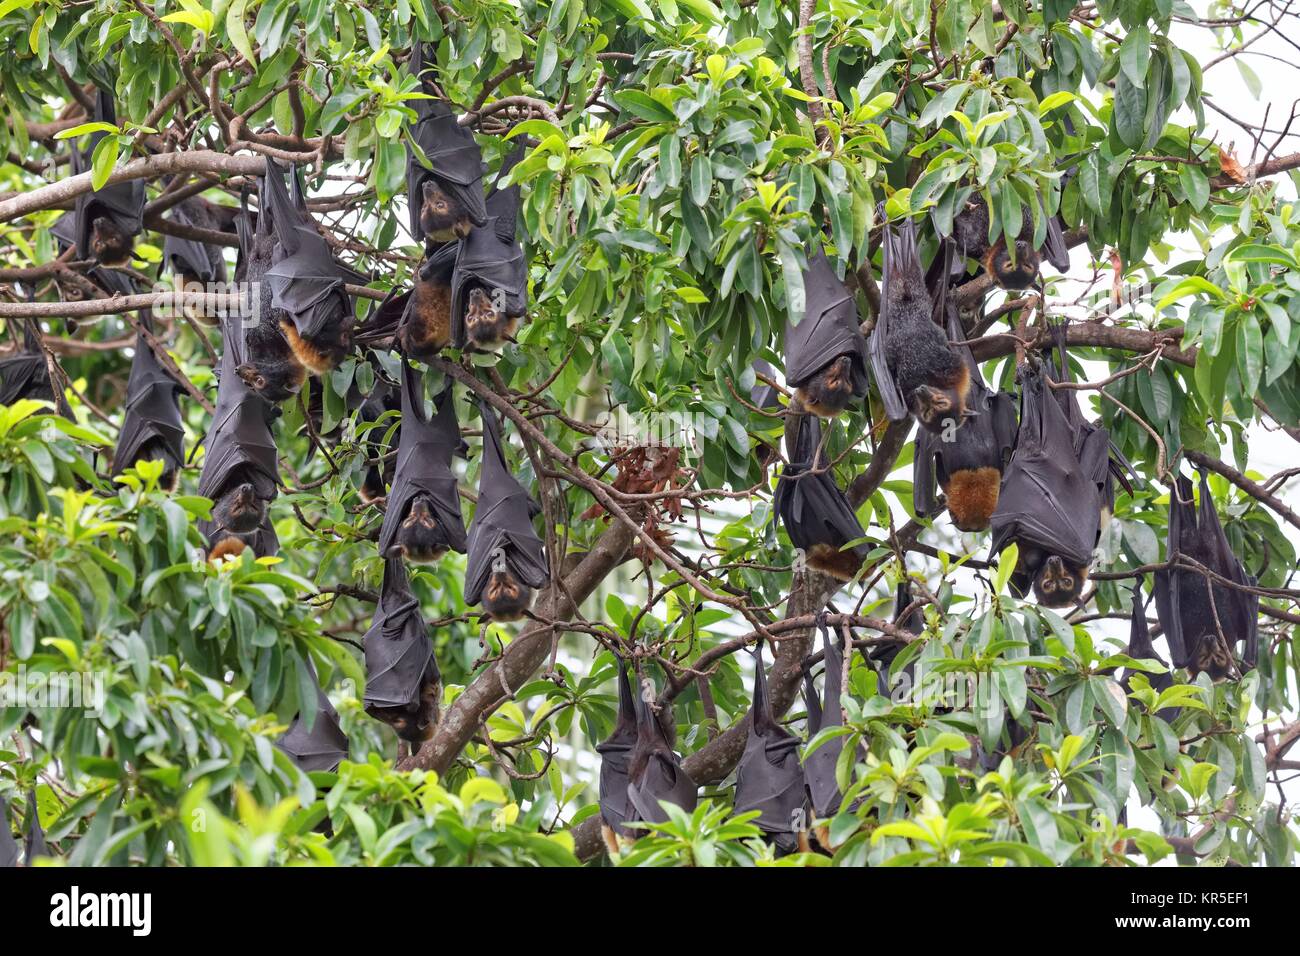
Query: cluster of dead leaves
{"points": [[648, 470]]}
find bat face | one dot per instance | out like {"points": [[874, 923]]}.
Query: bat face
{"points": [[941, 407], [487, 327], [108, 243], [428, 330], [505, 598], [1057, 584], [1212, 657], [275, 381], [420, 539], [1013, 275], [372, 485], [414, 724], [442, 217], [323, 353], [829, 392], [972, 497], [238, 509]]}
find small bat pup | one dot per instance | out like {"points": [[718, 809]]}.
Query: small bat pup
{"points": [[107, 220], [1014, 266], [489, 284], [615, 751], [270, 368], [316, 313], [324, 746], [825, 353], [403, 683], [654, 771], [507, 560], [968, 465], [193, 261], [417, 321], [444, 186], [1204, 621], [811, 507], [917, 370], [769, 777], [240, 465], [423, 520], [1050, 504], [151, 423]]}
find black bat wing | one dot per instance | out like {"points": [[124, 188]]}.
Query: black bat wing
{"points": [[819, 766], [1242, 614], [1055, 249], [123, 203], [196, 259], [1182, 520], [453, 160], [769, 777], [827, 329], [322, 747], [1140, 648], [34, 844], [425, 450], [503, 519], [615, 805], [1045, 499], [152, 411], [810, 505], [21, 374], [895, 407], [662, 778], [399, 652], [8, 845], [240, 434]]}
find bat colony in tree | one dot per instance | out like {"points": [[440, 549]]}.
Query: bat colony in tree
{"points": [[1029, 468]]}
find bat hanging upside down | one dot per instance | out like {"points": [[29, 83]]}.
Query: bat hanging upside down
{"points": [[414, 725], [829, 392], [917, 369], [238, 508], [487, 326]]}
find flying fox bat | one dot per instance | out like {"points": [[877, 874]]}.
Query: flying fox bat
{"points": [[1097, 453], [1049, 503], [403, 683], [615, 804], [507, 559], [816, 514], [769, 777], [655, 774], [240, 468], [322, 747], [307, 282], [766, 397], [1204, 620], [151, 425], [1140, 648], [970, 231], [825, 353], [191, 260], [968, 466], [111, 281], [917, 370], [444, 189], [819, 766], [26, 374], [422, 520], [269, 367], [108, 220], [489, 285]]}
